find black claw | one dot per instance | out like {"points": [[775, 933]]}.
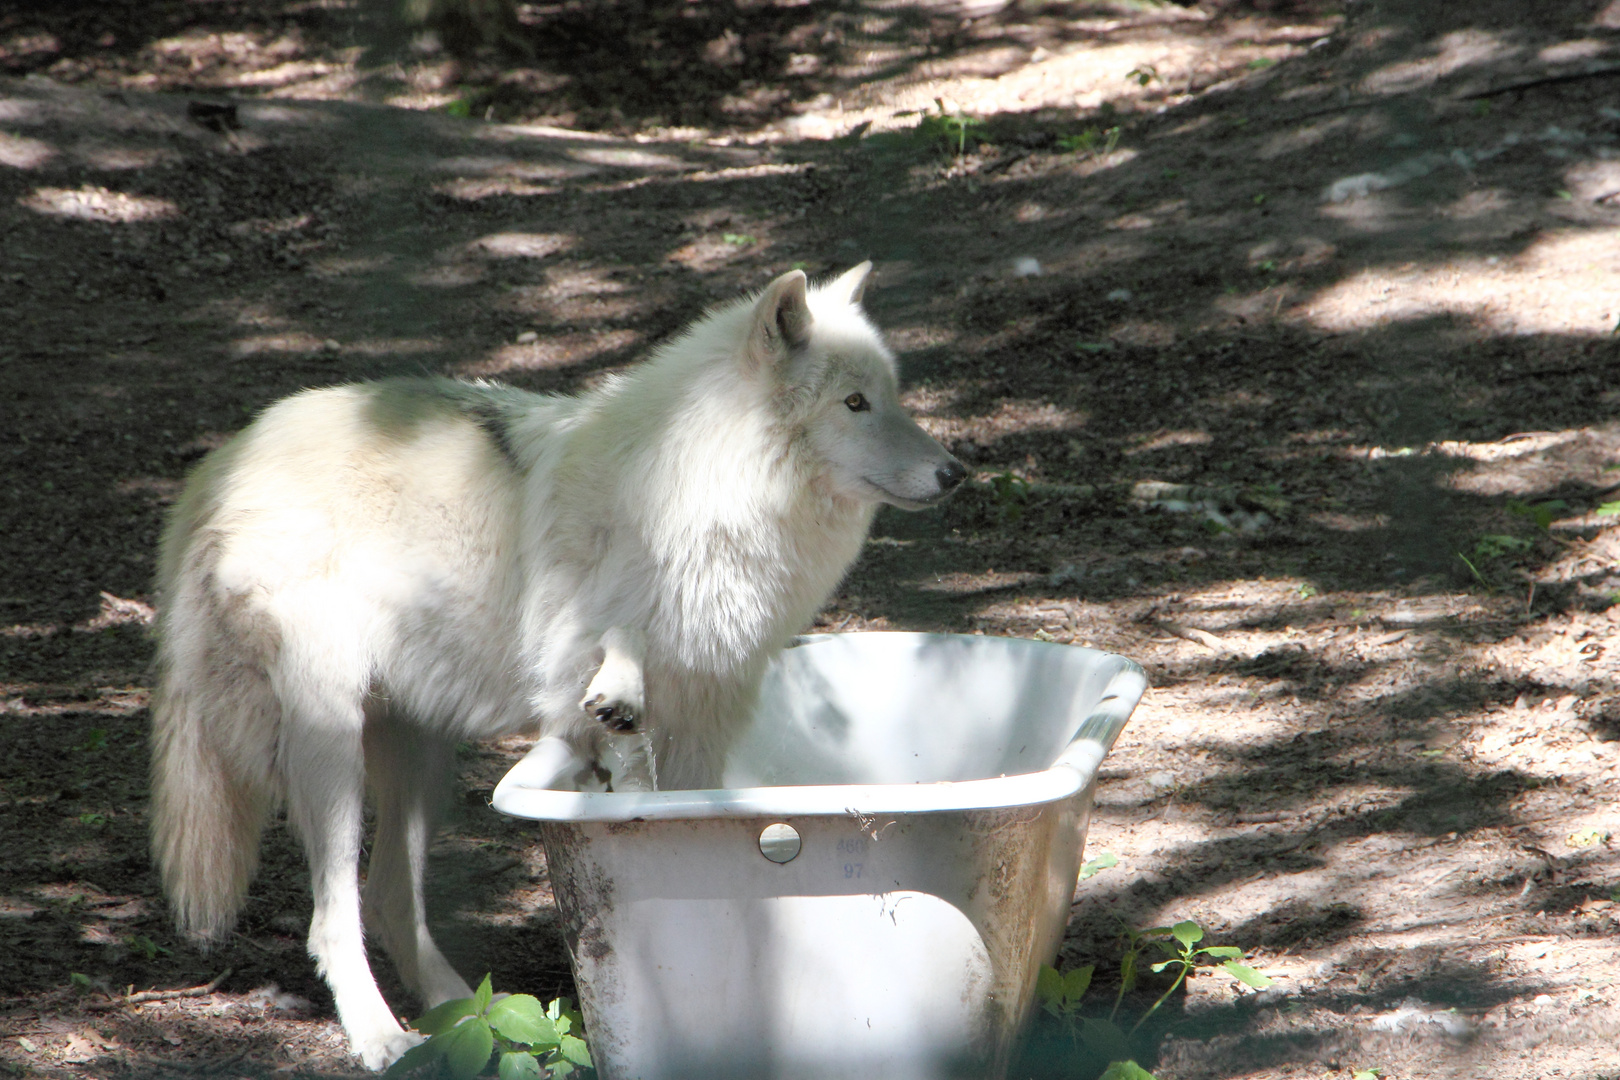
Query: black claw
{"points": [[614, 719]]}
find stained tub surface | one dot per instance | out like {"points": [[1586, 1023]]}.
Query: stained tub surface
{"points": [[875, 889]]}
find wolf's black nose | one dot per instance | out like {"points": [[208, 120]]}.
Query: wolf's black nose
{"points": [[950, 475]]}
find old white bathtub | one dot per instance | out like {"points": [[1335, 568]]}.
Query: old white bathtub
{"points": [[874, 890]]}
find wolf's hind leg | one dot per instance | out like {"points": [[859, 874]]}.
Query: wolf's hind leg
{"points": [[408, 770], [617, 694], [325, 776]]}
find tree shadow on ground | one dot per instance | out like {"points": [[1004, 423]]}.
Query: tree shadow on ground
{"points": [[618, 64], [1364, 440]]}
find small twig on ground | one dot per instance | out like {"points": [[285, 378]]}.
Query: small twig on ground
{"points": [[160, 995], [1004, 163], [1545, 80], [1195, 635]]}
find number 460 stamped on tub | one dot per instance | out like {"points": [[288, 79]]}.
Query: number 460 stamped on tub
{"points": [[859, 845]]}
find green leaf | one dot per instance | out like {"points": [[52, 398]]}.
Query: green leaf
{"points": [[1104, 1039], [1127, 972], [1609, 509], [445, 1016], [1102, 862], [424, 1053], [560, 1069], [574, 1049], [1161, 965], [1049, 986], [1076, 982], [523, 1019], [467, 1047], [1231, 951], [482, 995], [1188, 933], [1125, 1070], [519, 1065], [1246, 975]]}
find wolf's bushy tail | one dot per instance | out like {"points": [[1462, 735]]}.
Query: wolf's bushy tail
{"points": [[208, 806], [214, 724]]}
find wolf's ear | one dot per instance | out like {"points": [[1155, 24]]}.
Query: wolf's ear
{"points": [[781, 318], [851, 284]]}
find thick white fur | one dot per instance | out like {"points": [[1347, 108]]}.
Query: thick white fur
{"points": [[368, 574]]}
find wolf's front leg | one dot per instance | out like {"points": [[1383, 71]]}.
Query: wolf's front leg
{"points": [[617, 695]]}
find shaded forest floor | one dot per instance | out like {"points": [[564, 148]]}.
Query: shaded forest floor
{"points": [[1300, 390]]}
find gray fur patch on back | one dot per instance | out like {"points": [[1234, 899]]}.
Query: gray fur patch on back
{"points": [[396, 408], [494, 420]]}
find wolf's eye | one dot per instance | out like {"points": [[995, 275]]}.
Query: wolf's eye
{"points": [[858, 403]]}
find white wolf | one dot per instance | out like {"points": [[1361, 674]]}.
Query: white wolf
{"points": [[369, 573]]}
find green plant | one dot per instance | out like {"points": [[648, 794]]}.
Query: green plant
{"points": [[147, 947], [1092, 867], [1125, 1070], [1010, 492], [532, 1040], [1609, 509], [947, 127], [1542, 513], [92, 819], [96, 740], [1093, 142], [1060, 994], [1496, 545], [739, 239], [1142, 74], [1260, 63], [79, 981], [1180, 939], [1587, 838], [1366, 1074]]}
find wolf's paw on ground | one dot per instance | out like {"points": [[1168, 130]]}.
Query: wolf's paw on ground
{"points": [[380, 1049]]}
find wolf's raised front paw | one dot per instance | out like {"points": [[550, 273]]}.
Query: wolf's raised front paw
{"points": [[614, 715], [616, 694]]}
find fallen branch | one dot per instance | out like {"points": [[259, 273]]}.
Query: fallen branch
{"points": [[160, 995]]}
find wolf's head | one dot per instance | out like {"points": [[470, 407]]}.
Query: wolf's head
{"points": [[837, 388]]}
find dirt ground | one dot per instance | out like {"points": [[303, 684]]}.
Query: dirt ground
{"points": [[1300, 390]]}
